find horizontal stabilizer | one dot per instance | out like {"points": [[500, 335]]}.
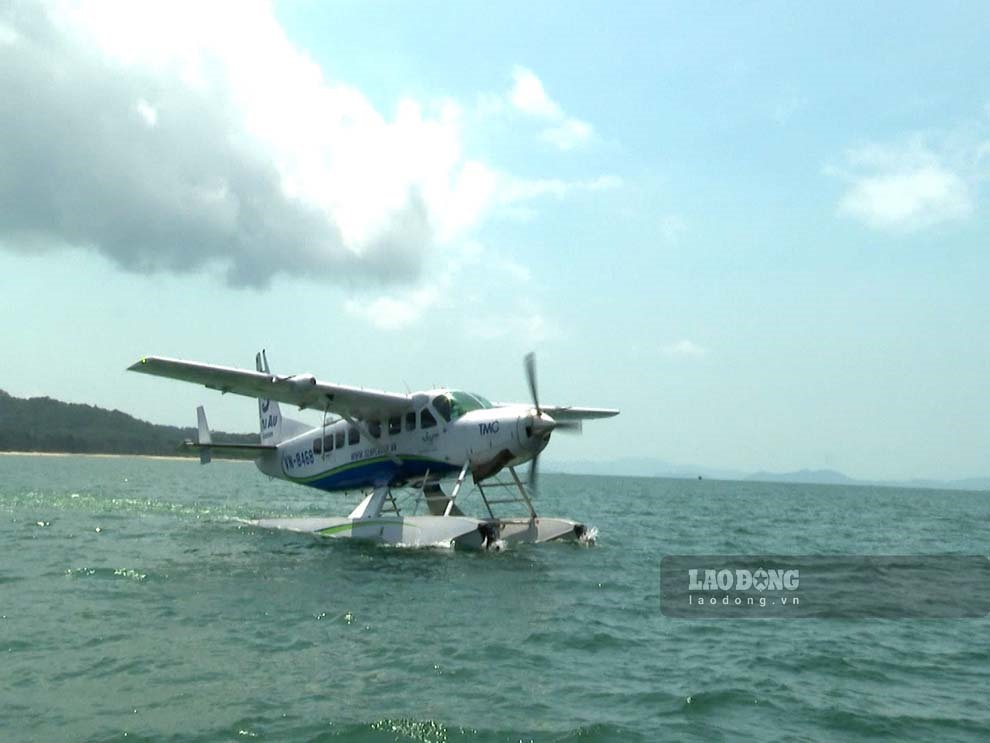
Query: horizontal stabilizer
{"points": [[205, 449], [206, 446]]}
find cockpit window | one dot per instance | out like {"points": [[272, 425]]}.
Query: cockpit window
{"points": [[426, 419], [441, 403], [471, 401], [456, 403]]}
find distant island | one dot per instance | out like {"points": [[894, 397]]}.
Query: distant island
{"points": [[41, 424], [652, 467]]}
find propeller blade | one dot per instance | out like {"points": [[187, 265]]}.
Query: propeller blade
{"points": [[545, 426], [574, 427], [533, 471], [531, 378]]}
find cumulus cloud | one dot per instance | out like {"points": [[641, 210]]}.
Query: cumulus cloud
{"points": [[514, 190], [397, 311], [155, 135], [529, 97], [524, 321], [518, 314], [684, 349], [903, 188], [159, 137]]}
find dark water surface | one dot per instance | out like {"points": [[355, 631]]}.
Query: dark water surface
{"points": [[135, 606]]}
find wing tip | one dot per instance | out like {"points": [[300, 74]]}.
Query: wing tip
{"points": [[137, 365]]}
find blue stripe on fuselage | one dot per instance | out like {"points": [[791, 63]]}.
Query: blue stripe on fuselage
{"points": [[380, 472]]}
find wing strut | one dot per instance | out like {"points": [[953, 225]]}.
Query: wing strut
{"points": [[457, 487]]}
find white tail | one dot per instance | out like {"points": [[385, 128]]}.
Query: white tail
{"points": [[269, 413], [274, 428], [204, 439]]}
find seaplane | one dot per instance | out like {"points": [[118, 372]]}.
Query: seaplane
{"points": [[399, 451]]}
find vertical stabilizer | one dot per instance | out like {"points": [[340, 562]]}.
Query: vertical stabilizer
{"points": [[268, 411], [204, 439]]}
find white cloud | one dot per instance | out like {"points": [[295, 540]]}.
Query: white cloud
{"points": [[523, 321], [147, 112], [529, 97], [514, 190], [684, 349], [8, 35], [568, 134], [518, 315], [300, 174], [908, 200], [903, 188], [401, 308], [394, 312], [233, 151]]}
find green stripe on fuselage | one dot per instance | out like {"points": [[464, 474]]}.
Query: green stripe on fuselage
{"points": [[352, 465]]}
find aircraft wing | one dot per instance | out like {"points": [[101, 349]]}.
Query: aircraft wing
{"points": [[301, 390], [571, 413], [567, 412]]}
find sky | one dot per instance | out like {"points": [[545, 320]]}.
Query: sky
{"points": [[758, 229]]}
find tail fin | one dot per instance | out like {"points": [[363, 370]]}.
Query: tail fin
{"points": [[204, 442], [269, 413], [274, 428], [204, 436]]}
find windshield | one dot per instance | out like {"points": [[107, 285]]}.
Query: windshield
{"points": [[456, 403]]}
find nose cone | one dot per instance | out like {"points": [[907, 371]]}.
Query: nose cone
{"points": [[535, 430]]}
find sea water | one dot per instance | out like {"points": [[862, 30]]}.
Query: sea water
{"points": [[136, 605]]}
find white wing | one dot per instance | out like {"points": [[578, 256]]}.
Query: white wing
{"points": [[571, 413], [564, 412], [302, 390]]}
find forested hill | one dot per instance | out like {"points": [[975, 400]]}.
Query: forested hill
{"points": [[44, 425]]}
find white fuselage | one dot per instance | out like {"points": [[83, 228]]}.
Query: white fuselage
{"points": [[344, 455]]}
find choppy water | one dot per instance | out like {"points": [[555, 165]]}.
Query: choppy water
{"points": [[134, 606]]}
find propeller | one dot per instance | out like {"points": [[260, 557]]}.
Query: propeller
{"points": [[530, 363], [542, 424]]}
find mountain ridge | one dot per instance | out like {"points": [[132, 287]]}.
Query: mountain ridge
{"points": [[44, 424]]}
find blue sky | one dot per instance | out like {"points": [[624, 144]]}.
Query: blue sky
{"points": [[760, 230]]}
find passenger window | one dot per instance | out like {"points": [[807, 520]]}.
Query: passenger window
{"points": [[442, 405], [317, 446], [339, 439], [375, 429], [426, 419], [410, 421], [394, 425], [328, 442], [353, 436]]}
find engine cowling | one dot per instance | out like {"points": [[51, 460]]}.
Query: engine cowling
{"points": [[302, 382]]}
